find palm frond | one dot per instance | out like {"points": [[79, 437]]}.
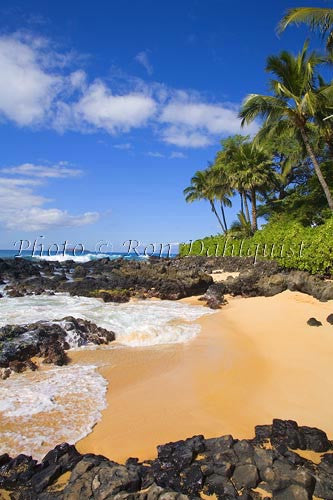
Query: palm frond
{"points": [[318, 18], [260, 106]]}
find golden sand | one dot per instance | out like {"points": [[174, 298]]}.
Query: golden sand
{"points": [[220, 275], [254, 360]]}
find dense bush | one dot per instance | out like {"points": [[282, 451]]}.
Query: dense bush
{"points": [[289, 243]]}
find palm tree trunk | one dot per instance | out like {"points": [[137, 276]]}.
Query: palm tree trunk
{"points": [[254, 210], [317, 169], [223, 217], [241, 202], [246, 207], [212, 204]]}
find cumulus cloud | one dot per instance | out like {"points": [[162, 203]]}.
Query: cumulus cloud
{"points": [[196, 124], [185, 137], [114, 113], [36, 88], [78, 79], [22, 208], [37, 218], [59, 170], [27, 89], [142, 58], [41, 87]]}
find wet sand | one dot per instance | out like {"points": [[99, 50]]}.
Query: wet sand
{"points": [[254, 360]]}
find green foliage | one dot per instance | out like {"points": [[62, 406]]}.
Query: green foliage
{"points": [[318, 18], [305, 201], [285, 174], [240, 228], [288, 242], [299, 102]]}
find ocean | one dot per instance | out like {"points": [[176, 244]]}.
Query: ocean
{"points": [[85, 256], [55, 404]]}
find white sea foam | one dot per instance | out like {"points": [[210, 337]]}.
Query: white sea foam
{"points": [[86, 257], [42, 409], [138, 323], [76, 258]]}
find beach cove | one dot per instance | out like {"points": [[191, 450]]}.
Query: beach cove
{"points": [[254, 360]]}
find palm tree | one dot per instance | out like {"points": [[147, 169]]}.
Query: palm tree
{"points": [[288, 159], [294, 105], [258, 177], [202, 188], [225, 162], [248, 170], [252, 165], [318, 18], [324, 115], [222, 189]]}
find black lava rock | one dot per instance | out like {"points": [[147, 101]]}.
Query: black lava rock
{"points": [[314, 322]]}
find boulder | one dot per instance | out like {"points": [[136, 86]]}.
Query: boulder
{"points": [[118, 296], [245, 476], [313, 322], [272, 285], [103, 481], [214, 296], [49, 340], [293, 492]]}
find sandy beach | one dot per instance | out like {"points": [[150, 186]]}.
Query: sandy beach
{"points": [[256, 359]]}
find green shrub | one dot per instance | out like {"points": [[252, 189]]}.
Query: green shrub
{"points": [[289, 243]]}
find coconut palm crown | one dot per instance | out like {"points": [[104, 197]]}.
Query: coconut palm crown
{"points": [[295, 102]]}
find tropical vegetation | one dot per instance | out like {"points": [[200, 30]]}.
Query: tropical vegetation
{"points": [[284, 174]]}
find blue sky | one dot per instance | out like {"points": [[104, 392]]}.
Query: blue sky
{"points": [[107, 110]]}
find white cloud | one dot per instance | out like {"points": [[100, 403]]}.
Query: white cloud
{"points": [[78, 79], [22, 208], [197, 124], [27, 89], [126, 145], [115, 113], [40, 87], [36, 218], [155, 154], [171, 156], [177, 155], [9, 182], [59, 170], [142, 58], [36, 88], [185, 137]]}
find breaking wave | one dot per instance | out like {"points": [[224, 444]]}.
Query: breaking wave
{"points": [[88, 257], [39, 410], [139, 323], [42, 409]]}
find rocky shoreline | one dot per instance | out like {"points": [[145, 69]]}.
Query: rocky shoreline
{"points": [[19, 344], [167, 279], [120, 280], [263, 467], [268, 466]]}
